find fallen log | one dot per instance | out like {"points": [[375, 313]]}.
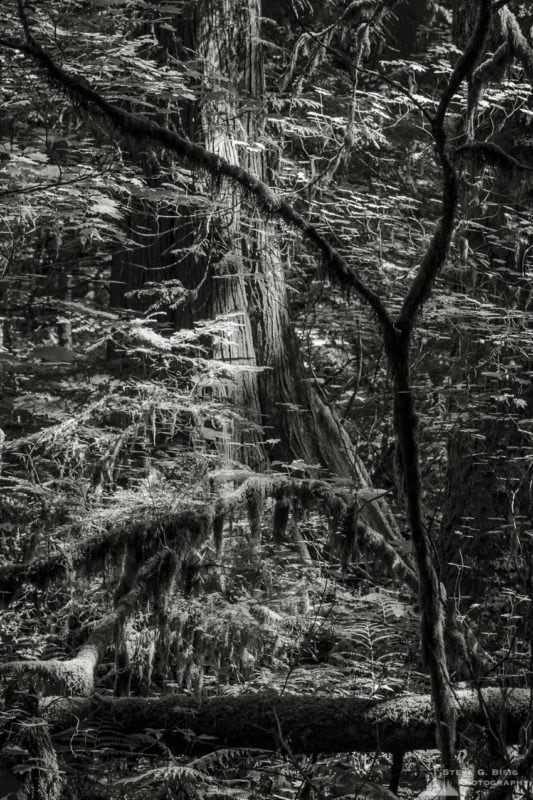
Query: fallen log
{"points": [[308, 724]]}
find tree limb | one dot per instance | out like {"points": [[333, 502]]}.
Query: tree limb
{"points": [[518, 42], [137, 127], [437, 251], [492, 154], [183, 529]]}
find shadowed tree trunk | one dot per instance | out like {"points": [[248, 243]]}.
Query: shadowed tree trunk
{"points": [[404, 27], [240, 270]]}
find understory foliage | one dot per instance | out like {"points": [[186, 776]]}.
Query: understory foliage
{"points": [[153, 542]]}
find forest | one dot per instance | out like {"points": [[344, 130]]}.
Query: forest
{"points": [[266, 407]]}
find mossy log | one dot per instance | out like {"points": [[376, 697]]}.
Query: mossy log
{"points": [[314, 724], [73, 677]]}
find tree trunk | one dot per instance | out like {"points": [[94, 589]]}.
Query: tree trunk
{"points": [[248, 279]]}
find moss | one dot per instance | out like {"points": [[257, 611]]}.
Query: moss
{"points": [[218, 529], [371, 541], [347, 535], [307, 493], [312, 724], [74, 677], [517, 41], [190, 573], [32, 758], [122, 662], [493, 68], [183, 529], [255, 501], [131, 563], [282, 508]]}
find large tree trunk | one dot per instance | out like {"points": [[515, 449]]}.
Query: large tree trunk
{"points": [[243, 272], [317, 724]]}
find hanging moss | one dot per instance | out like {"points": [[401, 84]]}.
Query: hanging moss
{"points": [[372, 542], [493, 68], [308, 493], [190, 573], [335, 508], [347, 535], [184, 529], [218, 529], [255, 501], [75, 676], [122, 662], [280, 517], [517, 41], [165, 575], [131, 563]]}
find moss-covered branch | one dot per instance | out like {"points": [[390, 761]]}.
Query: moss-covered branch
{"points": [[309, 724], [181, 529], [491, 153], [140, 128], [520, 46], [188, 528], [348, 513]]}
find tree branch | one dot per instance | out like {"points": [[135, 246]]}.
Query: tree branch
{"points": [[492, 154], [183, 529], [466, 62], [518, 42], [437, 251], [137, 127]]}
